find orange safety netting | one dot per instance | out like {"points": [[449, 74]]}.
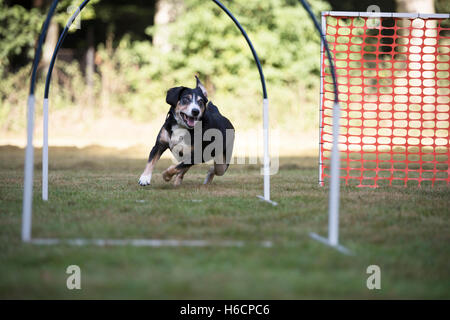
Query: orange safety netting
{"points": [[394, 92]]}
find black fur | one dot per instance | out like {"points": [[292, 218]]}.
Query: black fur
{"points": [[210, 118]]}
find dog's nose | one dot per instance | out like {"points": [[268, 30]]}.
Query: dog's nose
{"points": [[195, 112]]}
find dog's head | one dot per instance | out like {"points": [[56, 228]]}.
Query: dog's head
{"points": [[188, 104]]}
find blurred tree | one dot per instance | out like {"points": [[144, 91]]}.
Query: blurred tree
{"points": [[413, 6], [50, 40], [442, 6], [362, 5], [128, 62], [167, 11], [19, 28]]}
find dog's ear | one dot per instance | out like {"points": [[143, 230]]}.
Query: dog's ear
{"points": [[173, 95], [202, 87]]}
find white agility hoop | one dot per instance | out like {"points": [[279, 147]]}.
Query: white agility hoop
{"points": [[333, 201], [29, 159]]}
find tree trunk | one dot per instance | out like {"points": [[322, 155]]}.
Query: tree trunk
{"points": [[49, 44], [50, 40], [415, 6], [90, 54], [38, 3], [166, 12]]}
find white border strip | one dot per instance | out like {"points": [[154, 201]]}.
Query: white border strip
{"points": [[147, 242], [387, 14]]}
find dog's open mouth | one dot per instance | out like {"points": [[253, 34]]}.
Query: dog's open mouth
{"points": [[190, 121]]}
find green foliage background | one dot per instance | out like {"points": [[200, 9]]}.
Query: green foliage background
{"points": [[18, 30], [133, 76]]}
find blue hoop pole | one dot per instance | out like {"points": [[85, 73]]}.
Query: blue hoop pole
{"points": [[42, 36], [59, 44], [29, 152], [266, 157], [85, 2], [325, 43], [255, 55], [45, 104]]}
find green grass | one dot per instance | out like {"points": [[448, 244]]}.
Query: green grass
{"points": [[94, 194]]}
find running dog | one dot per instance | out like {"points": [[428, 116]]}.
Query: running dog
{"points": [[195, 132]]}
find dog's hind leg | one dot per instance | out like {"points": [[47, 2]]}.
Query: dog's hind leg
{"points": [[179, 176], [216, 170], [209, 176], [177, 170]]}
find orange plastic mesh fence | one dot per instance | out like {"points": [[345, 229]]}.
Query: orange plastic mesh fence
{"points": [[394, 91]]}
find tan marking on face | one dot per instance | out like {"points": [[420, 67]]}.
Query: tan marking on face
{"points": [[182, 107], [202, 105]]}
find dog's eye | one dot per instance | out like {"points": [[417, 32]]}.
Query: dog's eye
{"points": [[201, 103], [184, 100]]}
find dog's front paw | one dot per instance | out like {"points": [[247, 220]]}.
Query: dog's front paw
{"points": [[145, 179]]}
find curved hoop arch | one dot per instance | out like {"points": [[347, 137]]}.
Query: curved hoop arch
{"points": [[26, 228], [42, 36], [333, 200], [29, 152], [218, 3], [266, 169]]}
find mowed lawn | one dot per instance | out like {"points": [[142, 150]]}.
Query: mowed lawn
{"points": [[94, 194]]}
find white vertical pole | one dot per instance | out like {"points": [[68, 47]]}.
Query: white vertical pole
{"points": [[333, 220], [322, 49], [45, 154], [28, 178], [266, 149]]}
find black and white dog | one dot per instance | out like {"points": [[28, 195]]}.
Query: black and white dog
{"points": [[195, 132]]}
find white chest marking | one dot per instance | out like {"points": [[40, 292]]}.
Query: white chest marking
{"points": [[179, 142]]}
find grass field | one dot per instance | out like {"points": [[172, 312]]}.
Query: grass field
{"points": [[94, 194]]}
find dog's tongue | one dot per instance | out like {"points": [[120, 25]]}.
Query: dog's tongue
{"points": [[190, 121]]}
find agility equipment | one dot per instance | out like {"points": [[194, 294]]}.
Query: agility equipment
{"points": [[45, 104], [393, 75], [29, 151], [333, 199], [28, 185], [266, 157]]}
